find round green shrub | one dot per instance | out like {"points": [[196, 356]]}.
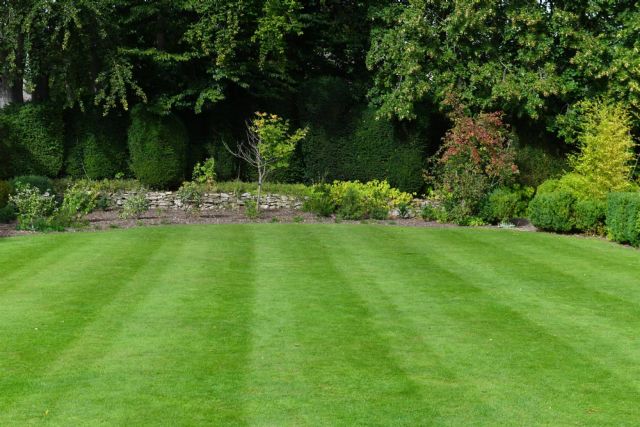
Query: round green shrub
{"points": [[553, 211], [35, 134], [158, 148], [99, 148], [504, 204], [590, 215]]}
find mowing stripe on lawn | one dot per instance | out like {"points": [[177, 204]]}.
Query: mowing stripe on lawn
{"points": [[24, 257], [604, 325], [181, 352], [64, 311], [317, 360], [403, 305], [539, 350], [471, 279], [289, 324]]}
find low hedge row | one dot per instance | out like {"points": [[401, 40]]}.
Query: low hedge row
{"points": [[562, 212], [623, 217]]}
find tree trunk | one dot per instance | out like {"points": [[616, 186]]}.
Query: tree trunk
{"points": [[259, 191]]}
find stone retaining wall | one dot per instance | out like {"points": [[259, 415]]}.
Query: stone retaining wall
{"points": [[222, 201], [212, 201]]}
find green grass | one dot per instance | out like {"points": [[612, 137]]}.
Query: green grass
{"points": [[289, 324]]}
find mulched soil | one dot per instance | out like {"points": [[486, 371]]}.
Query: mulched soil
{"points": [[104, 220]]}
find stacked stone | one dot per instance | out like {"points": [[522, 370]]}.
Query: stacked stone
{"points": [[213, 201]]}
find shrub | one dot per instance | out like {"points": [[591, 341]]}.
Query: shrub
{"points": [[605, 161], [251, 209], [352, 205], [190, 195], [320, 201], [8, 214], [80, 199], [553, 211], [157, 146], [35, 209], [623, 217], [5, 191], [355, 200], [35, 138], [431, 212], [475, 158], [42, 183], [205, 173], [505, 204], [590, 216], [99, 149], [135, 206]]}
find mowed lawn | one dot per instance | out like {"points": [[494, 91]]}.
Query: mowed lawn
{"points": [[274, 324]]}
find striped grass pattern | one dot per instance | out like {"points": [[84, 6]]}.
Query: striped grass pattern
{"points": [[292, 324]]}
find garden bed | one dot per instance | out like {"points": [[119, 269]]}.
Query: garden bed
{"points": [[105, 220]]}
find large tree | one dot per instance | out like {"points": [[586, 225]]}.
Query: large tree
{"points": [[529, 58]]}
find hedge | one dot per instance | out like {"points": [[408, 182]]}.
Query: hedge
{"points": [[623, 217], [158, 148], [34, 139], [98, 148], [364, 149], [5, 192]]}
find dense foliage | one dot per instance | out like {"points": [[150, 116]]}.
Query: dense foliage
{"points": [[97, 146], [388, 90], [35, 134], [158, 146], [623, 217], [527, 58], [355, 200], [475, 158]]}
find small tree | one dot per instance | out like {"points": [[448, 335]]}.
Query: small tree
{"points": [[606, 157], [268, 146]]}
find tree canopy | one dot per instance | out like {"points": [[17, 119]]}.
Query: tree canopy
{"points": [[529, 58]]}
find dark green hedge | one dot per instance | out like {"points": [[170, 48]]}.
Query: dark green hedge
{"points": [[33, 137], [590, 216], [553, 211], [366, 149], [98, 147], [158, 148], [623, 217], [5, 191]]}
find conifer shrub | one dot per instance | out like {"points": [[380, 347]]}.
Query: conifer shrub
{"points": [[157, 146], [99, 147], [33, 135]]}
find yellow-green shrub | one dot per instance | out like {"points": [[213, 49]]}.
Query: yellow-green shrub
{"points": [[605, 161], [357, 200]]}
